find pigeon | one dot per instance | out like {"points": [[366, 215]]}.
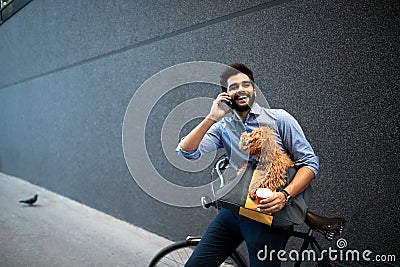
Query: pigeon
{"points": [[30, 201]]}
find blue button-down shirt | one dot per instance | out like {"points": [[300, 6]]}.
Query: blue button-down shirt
{"points": [[226, 134]]}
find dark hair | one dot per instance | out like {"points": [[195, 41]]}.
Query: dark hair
{"points": [[231, 70]]}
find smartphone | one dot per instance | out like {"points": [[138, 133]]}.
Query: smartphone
{"points": [[227, 105]]}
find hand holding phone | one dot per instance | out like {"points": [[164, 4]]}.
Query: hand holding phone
{"points": [[221, 106]]}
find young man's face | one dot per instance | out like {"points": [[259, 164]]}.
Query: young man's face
{"points": [[241, 91]]}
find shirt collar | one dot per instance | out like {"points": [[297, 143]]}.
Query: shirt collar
{"points": [[255, 110]]}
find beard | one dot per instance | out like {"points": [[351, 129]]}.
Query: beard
{"points": [[246, 107]]}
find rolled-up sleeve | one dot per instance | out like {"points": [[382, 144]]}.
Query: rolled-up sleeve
{"points": [[210, 142], [187, 154], [295, 142]]}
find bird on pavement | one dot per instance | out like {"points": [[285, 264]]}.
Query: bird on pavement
{"points": [[30, 201]]}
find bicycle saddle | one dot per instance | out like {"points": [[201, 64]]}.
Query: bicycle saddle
{"points": [[318, 222]]}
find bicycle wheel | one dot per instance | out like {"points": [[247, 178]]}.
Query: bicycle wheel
{"points": [[178, 253]]}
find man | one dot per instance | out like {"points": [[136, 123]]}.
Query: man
{"points": [[216, 131]]}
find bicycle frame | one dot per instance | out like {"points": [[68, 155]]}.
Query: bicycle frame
{"points": [[308, 239]]}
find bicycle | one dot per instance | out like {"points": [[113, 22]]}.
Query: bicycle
{"points": [[179, 252]]}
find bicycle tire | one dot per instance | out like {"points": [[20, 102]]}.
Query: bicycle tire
{"points": [[178, 253]]}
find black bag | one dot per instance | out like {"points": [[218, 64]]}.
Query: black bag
{"points": [[234, 196]]}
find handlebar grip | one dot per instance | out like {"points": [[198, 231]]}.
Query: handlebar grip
{"points": [[206, 203]]}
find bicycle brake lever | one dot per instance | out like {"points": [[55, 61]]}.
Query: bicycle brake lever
{"points": [[221, 165]]}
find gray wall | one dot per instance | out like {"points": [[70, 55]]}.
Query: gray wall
{"points": [[68, 73]]}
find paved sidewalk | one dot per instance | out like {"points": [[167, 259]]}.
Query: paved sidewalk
{"points": [[61, 232]]}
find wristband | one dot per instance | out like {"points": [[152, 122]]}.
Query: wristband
{"points": [[287, 196]]}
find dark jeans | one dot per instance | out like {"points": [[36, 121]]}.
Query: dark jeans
{"points": [[228, 230]]}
